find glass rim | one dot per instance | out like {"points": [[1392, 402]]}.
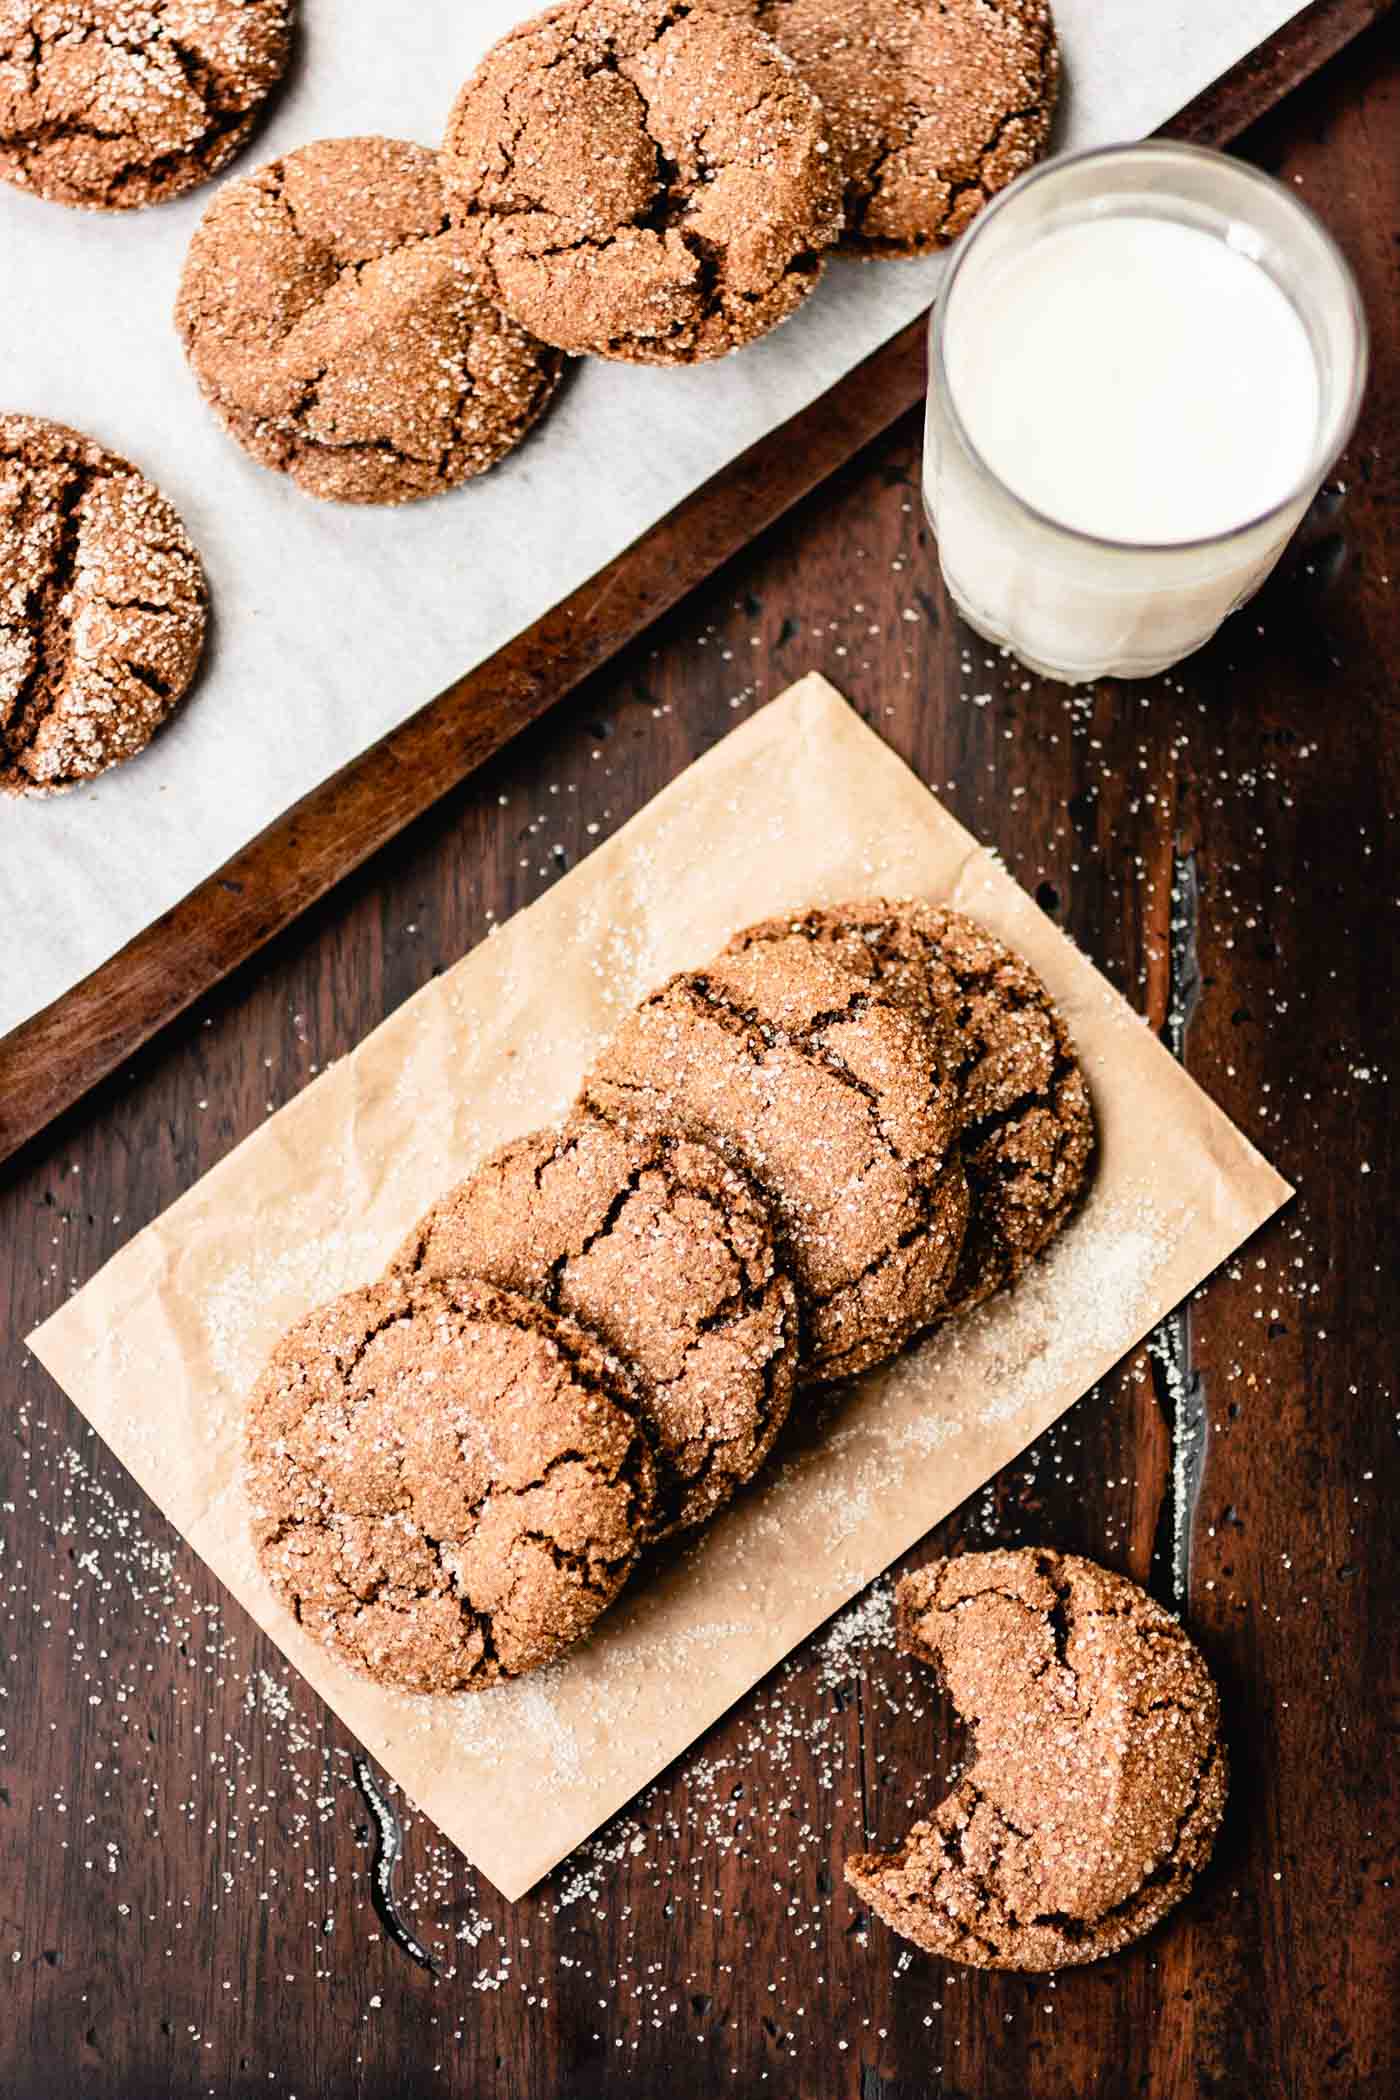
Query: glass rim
{"points": [[1333, 435]]}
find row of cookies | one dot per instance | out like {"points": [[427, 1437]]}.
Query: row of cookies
{"points": [[661, 180], [782, 1169], [649, 180], [330, 317], [930, 105], [654, 181]]}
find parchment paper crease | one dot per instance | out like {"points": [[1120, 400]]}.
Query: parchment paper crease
{"points": [[802, 803], [333, 624]]}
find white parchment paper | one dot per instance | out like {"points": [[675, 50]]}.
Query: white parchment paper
{"points": [[333, 624]]}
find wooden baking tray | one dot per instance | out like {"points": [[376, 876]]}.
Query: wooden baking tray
{"points": [[51, 1060]]}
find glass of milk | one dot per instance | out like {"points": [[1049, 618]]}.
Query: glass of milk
{"points": [[1143, 362]]}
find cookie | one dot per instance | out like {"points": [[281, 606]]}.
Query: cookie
{"points": [[667, 1255], [1028, 1135], [1097, 1778], [447, 1483], [334, 323], [117, 103], [840, 1105], [102, 607], [934, 105], [642, 179]]}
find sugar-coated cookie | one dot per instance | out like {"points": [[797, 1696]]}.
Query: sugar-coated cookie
{"points": [[934, 105], [448, 1484], [1028, 1122], [842, 1107], [1097, 1775], [113, 104], [335, 325], [642, 179], [667, 1254], [102, 607]]}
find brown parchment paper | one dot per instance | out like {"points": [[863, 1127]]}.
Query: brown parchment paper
{"points": [[800, 804]]}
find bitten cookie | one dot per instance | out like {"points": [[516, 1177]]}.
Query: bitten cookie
{"points": [[102, 607], [642, 179], [448, 1484], [1028, 1123], [934, 105], [118, 103], [667, 1255], [1098, 1774], [334, 323], [839, 1104]]}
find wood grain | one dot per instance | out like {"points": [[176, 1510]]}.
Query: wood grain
{"points": [[52, 1059], [185, 1855], [1262, 79]]}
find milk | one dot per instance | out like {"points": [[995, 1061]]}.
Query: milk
{"points": [[1144, 361], [1138, 380]]}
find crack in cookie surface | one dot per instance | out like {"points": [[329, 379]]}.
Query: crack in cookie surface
{"points": [[839, 1105], [447, 1483], [1098, 1774], [1028, 1124], [643, 179], [102, 607], [114, 104], [333, 319], [665, 1252]]}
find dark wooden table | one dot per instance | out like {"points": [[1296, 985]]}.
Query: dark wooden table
{"points": [[188, 1898]]}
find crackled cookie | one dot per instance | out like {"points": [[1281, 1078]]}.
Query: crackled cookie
{"points": [[934, 105], [642, 179], [667, 1255], [118, 103], [335, 325], [1097, 1778], [102, 607], [1028, 1123], [448, 1484], [843, 1109]]}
